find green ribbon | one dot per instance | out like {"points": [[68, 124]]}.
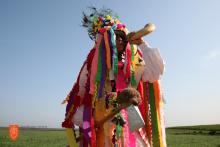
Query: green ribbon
{"points": [[154, 118], [99, 69], [132, 52]]}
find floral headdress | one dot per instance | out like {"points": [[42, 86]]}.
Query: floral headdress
{"points": [[100, 20]]}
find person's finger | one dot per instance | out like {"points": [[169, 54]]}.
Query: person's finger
{"points": [[130, 35], [136, 41], [64, 101]]}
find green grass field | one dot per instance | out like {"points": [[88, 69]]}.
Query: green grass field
{"points": [[189, 136], [34, 138], [194, 136]]}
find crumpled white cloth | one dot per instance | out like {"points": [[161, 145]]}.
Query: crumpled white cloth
{"points": [[154, 64], [78, 116], [82, 81]]}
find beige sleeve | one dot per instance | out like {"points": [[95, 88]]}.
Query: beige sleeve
{"points": [[154, 64]]}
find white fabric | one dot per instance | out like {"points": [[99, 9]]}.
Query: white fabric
{"points": [[111, 75], [154, 64], [139, 72], [78, 116], [162, 121], [82, 81], [139, 141], [135, 119]]}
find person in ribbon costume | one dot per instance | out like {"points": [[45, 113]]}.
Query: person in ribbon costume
{"points": [[117, 61]]}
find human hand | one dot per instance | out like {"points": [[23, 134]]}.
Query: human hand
{"points": [[137, 41], [65, 100]]}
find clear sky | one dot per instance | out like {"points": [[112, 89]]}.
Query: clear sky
{"points": [[42, 47]]}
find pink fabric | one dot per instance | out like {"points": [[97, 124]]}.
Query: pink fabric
{"points": [[120, 26], [143, 135], [128, 61], [102, 30], [94, 66], [129, 137], [120, 81]]}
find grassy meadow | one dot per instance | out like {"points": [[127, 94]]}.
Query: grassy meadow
{"points": [[34, 138], [194, 136], [189, 136]]}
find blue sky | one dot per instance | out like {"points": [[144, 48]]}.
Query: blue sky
{"points": [[42, 47]]}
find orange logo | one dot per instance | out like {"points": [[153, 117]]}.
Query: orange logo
{"points": [[13, 132]]}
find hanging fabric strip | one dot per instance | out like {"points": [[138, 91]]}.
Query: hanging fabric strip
{"points": [[132, 52], [133, 81], [103, 71], [111, 72], [157, 92], [128, 61], [144, 113], [73, 103], [125, 138], [142, 106], [71, 138], [115, 52], [107, 46], [99, 70], [74, 91], [95, 94], [148, 126], [87, 124], [111, 47], [154, 117], [94, 65]]}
